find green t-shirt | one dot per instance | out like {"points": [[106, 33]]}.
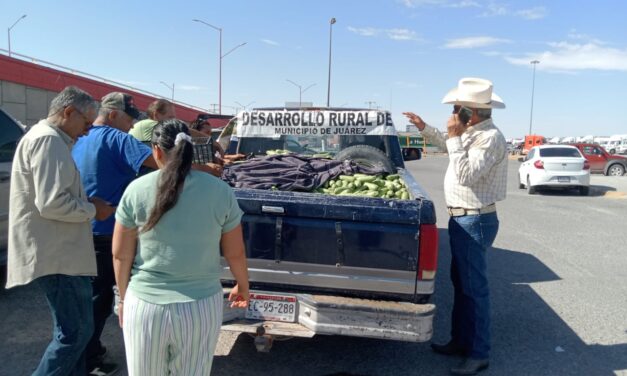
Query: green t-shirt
{"points": [[178, 260], [142, 130]]}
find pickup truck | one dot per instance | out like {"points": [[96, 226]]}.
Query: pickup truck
{"points": [[602, 161], [333, 265]]}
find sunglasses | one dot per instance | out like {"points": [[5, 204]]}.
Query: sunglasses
{"points": [[88, 123]]}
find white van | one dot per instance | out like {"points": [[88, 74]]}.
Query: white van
{"points": [[617, 144]]}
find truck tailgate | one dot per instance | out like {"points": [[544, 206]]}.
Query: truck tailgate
{"points": [[361, 246]]}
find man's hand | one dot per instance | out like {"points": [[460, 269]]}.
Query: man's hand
{"points": [[103, 208], [210, 168], [415, 120], [455, 127]]}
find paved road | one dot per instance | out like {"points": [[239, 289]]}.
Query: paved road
{"points": [[559, 300]]}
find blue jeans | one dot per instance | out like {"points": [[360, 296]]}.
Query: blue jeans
{"points": [[102, 295], [470, 237], [69, 299]]}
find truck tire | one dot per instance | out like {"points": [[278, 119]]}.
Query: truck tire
{"points": [[615, 170], [366, 155]]}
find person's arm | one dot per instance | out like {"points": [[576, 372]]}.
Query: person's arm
{"points": [[434, 136], [150, 162], [54, 173], [232, 245], [210, 168], [124, 248]]}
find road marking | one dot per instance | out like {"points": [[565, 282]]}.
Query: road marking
{"points": [[614, 194]]}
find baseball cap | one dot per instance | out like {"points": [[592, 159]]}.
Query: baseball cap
{"points": [[122, 102]]}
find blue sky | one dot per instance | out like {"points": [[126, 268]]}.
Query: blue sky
{"points": [[404, 55]]}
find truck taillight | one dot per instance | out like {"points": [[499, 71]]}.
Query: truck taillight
{"points": [[586, 165], [539, 164], [428, 257]]}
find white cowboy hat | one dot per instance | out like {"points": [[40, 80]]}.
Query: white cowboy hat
{"points": [[475, 93]]}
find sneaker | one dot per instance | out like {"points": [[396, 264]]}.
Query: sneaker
{"points": [[104, 369]]}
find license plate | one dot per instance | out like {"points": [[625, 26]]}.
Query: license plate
{"points": [[271, 307], [563, 179]]}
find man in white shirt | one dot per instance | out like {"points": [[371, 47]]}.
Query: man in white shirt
{"points": [[50, 239], [475, 180]]}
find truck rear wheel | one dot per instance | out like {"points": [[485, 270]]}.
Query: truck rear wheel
{"points": [[368, 156]]}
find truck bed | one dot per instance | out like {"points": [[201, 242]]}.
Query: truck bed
{"points": [[355, 246]]}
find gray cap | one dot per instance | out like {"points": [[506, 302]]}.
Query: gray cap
{"points": [[122, 102]]}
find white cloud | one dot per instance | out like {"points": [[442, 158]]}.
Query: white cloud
{"points": [[364, 31], [532, 13], [474, 42], [401, 34], [573, 34], [569, 57], [496, 10], [493, 10], [270, 42], [394, 34]]}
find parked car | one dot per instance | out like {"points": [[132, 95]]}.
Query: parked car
{"points": [[602, 161], [10, 133], [554, 166]]}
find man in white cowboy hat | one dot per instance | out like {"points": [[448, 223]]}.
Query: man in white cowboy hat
{"points": [[475, 180]]}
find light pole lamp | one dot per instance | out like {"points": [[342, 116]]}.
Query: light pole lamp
{"points": [[169, 87], [220, 57], [533, 85], [9, 31], [300, 91], [331, 22]]}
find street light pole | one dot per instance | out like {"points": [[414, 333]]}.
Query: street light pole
{"points": [[220, 57], [9, 31], [300, 91], [331, 22], [533, 85], [171, 88]]}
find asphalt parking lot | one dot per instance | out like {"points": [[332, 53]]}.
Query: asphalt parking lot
{"points": [[559, 299]]}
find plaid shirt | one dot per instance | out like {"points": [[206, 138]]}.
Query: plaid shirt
{"points": [[477, 170]]}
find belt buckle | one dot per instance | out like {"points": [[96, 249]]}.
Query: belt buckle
{"points": [[456, 212]]}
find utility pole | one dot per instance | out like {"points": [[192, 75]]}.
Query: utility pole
{"points": [[533, 85]]}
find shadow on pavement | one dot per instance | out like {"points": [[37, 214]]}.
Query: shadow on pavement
{"points": [[595, 191]]}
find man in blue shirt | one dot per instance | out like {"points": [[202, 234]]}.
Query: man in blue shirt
{"points": [[108, 159]]}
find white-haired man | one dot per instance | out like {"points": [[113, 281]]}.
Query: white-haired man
{"points": [[50, 240], [475, 180]]}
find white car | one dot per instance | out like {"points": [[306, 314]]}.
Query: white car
{"points": [[554, 166], [10, 133]]}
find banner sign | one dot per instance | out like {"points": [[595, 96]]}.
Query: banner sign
{"points": [[314, 123]]}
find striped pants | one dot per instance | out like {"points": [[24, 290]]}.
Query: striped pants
{"points": [[171, 339]]}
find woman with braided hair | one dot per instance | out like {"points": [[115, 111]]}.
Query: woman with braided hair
{"points": [[166, 253]]}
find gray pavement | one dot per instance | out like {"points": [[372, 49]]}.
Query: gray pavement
{"points": [[559, 299]]}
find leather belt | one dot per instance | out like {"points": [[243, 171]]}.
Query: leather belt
{"points": [[459, 212]]}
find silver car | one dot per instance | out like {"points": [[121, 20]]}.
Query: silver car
{"points": [[10, 133]]}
